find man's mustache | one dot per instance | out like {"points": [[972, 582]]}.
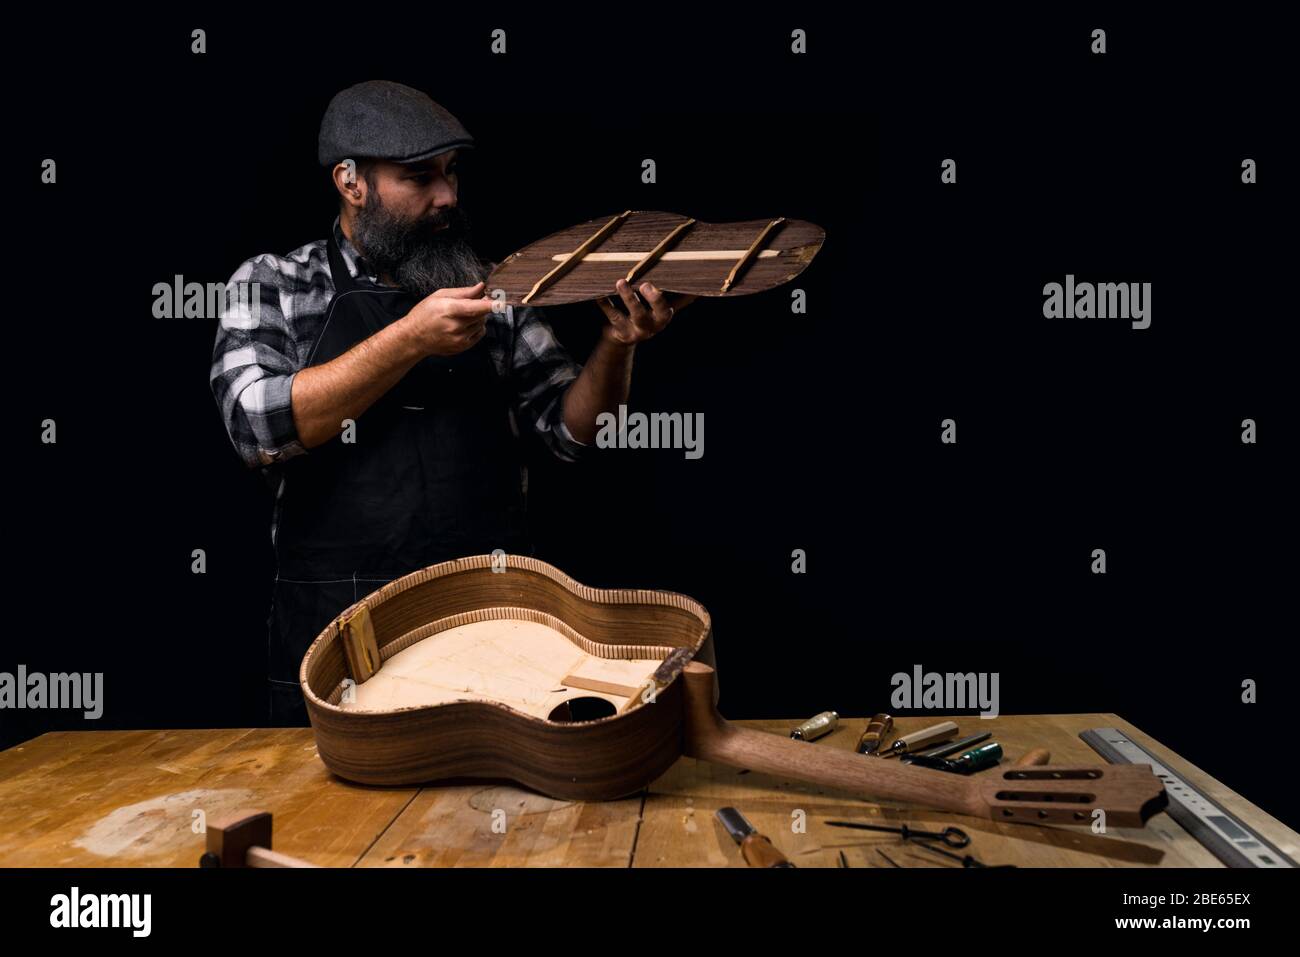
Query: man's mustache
{"points": [[450, 221]]}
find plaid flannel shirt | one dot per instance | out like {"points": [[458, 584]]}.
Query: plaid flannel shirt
{"points": [[257, 356]]}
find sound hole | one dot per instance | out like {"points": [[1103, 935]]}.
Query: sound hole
{"points": [[582, 709]]}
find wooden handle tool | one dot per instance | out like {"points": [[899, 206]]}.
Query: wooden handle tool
{"points": [[874, 736], [1034, 758], [756, 849], [243, 839], [922, 739], [946, 750]]}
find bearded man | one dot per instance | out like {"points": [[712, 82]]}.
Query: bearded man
{"points": [[380, 393]]}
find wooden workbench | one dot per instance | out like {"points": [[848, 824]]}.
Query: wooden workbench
{"points": [[129, 798]]}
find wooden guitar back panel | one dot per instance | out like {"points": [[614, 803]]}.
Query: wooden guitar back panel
{"points": [[676, 253]]}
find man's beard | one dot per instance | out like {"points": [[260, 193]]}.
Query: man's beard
{"points": [[418, 255]]}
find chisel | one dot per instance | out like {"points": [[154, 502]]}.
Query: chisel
{"points": [[756, 849], [921, 739], [976, 759], [877, 728], [816, 726], [943, 750], [1035, 757]]}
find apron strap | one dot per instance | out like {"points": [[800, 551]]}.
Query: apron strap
{"points": [[343, 281]]}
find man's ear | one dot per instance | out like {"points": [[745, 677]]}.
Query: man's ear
{"points": [[350, 184]]}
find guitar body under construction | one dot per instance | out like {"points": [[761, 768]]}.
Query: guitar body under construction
{"points": [[502, 667], [473, 668]]}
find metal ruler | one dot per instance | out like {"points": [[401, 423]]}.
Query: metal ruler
{"points": [[1217, 829]]}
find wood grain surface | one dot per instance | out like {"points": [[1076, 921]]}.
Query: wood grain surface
{"points": [[698, 260], [126, 798]]}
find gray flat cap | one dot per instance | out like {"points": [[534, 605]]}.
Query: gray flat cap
{"points": [[386, 120]]}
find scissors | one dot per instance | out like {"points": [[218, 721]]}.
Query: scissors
{"points": [[951, 836]]}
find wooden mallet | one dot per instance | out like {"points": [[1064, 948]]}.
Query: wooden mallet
{"points": [[243, 839]]}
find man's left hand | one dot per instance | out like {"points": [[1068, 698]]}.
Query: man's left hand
{"points": [[644, 317]]}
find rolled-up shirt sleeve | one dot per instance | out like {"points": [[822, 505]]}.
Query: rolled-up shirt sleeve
{"points": [[542, 372], [253, 365]]}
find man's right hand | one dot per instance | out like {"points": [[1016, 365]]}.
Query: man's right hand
{"points": [[449, 321], [442, 324]]}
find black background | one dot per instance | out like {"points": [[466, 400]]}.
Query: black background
{"points": [[821, 430]]}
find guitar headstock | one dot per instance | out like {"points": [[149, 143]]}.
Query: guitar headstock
{"points": [[1048, 794]]}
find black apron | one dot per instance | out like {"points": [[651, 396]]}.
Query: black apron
{"points": [[432, 474]]}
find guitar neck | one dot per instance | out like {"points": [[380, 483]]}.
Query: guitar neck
{"points": [[711, 737], [1047, 794]]}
